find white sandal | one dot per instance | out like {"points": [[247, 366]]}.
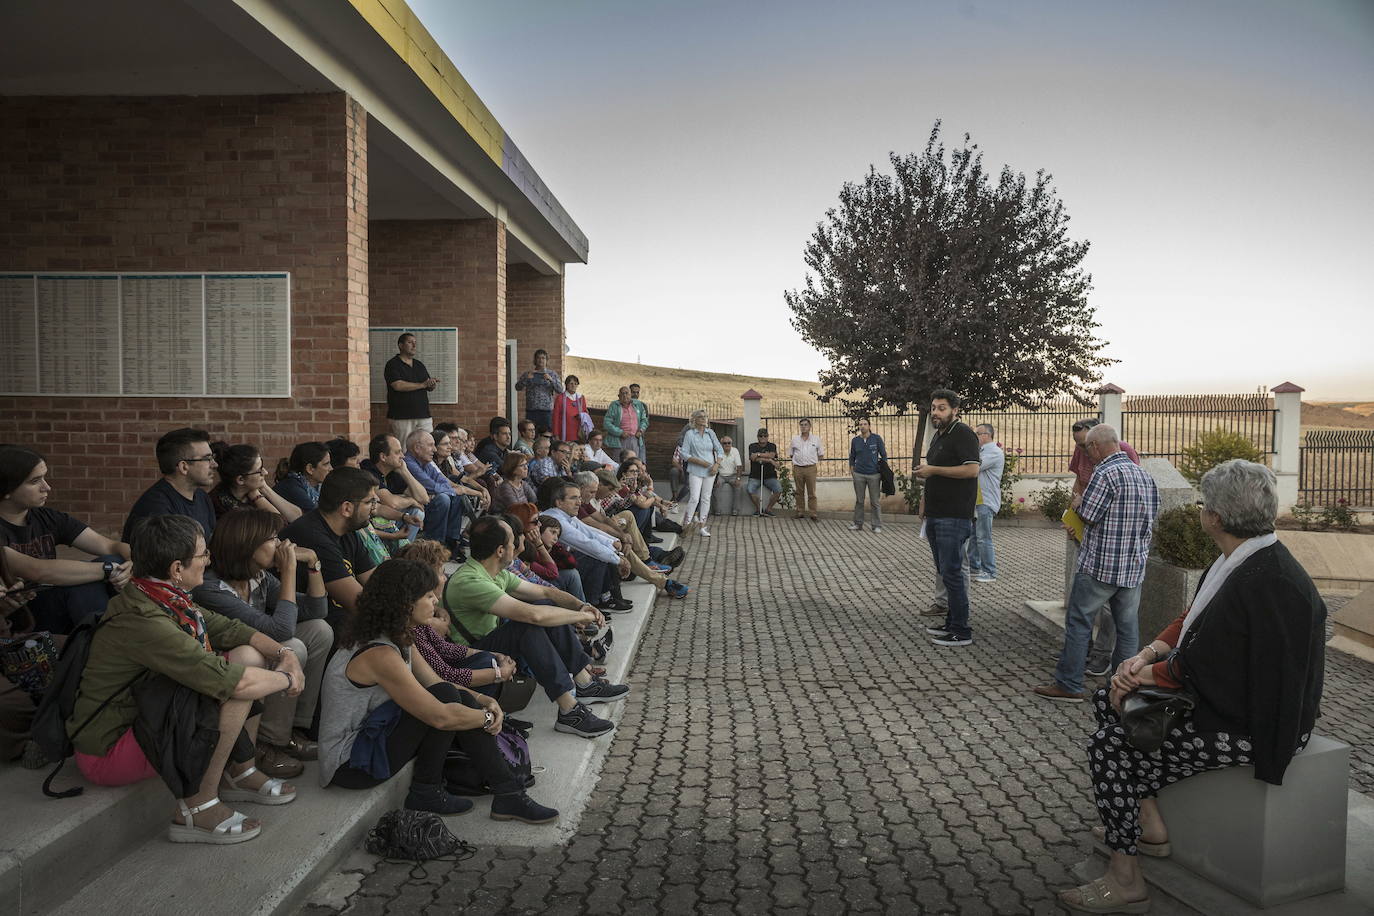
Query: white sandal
{"points": [[269, 793], [230, 830]]}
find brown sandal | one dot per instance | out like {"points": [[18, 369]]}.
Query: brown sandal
{"points": [[1098, 896]]}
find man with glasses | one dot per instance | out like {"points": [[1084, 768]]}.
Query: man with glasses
{"points": [[729, 481], [598, 555], [445, 510], [763, 473], [348, 500], [188, 472], [1081, 465]]}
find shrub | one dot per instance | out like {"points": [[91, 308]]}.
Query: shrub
{"points": [[1180, 540], [1340, 516], [1009, 478], [1054, 501], [787, 497], [1306, 515], [1212, 448], [909, 488]]}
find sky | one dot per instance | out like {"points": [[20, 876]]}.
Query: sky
{"points": [[1216, 154]]}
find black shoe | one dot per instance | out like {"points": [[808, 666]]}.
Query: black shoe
{"points": [[520, 807], [767, 514], [601, 690], [1097, 667], [616, 605], [673, 558], [583, 722], [668, 526], [435, 798], [519, 724], [653, 540], [950, 641]]}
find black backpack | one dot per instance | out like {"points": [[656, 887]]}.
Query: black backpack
{"points": [[49, 728]]}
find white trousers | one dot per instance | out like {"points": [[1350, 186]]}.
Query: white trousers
{"points": [[698, 497]]}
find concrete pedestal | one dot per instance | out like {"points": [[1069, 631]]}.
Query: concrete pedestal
{"points": [[1266, 844], [1166, 592]]}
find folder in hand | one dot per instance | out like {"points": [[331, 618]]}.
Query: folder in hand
{"points": [[1075, 523]]}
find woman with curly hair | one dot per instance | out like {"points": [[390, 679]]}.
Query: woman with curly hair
{"points": [[382, 705]]}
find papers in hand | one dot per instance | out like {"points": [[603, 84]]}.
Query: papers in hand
{"points": [[1075, 524], [922, 533]]}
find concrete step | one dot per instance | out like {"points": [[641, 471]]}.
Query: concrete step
{"points": [[106, 851]]}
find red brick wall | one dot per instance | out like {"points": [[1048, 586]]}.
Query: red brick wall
{"points": [[197, 184], [447, 273], [534, 317]]}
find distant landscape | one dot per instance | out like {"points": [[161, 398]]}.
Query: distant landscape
{"points": [[602, 378]]}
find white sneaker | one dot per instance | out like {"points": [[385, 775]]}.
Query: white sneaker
{"points": [[878, 529], [704, 531], [854, 527]]}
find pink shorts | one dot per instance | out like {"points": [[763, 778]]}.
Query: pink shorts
{"points": [[122, 764]]}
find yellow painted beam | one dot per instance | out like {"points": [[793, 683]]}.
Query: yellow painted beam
{"points": [[403, 32]]}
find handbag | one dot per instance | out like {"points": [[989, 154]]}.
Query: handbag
{"points": [[28, 661], [1149, 714]]}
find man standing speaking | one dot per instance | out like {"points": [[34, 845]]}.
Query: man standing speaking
{"points": [[407, 390], [950, 472]]}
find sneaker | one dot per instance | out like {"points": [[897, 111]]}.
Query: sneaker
{"points": [[673, 558], [652, 539], [936, 610], [601, 690], [983, 577], [659, 567], [734, 514], [877, 529], [758, 514], [937, 631], [1055, 692], [520, 807], [676, 589], [854, 527], [613, 606], [1097, 667], [704, 531], [583, 722], [768, 514], [950, 641]]}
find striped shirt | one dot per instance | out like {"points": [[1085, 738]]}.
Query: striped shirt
{"points": [[1119, 507]]}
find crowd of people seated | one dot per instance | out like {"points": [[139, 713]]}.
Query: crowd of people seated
{"points": [[361, 609]]}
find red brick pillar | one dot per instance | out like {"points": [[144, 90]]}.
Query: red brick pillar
{"points": [[447, 273], [197, 184], [534, 316]]}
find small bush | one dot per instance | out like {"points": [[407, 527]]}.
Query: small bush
{"points": [[787, 496], [1307, 516], [1180, 540], [1010, 476], [1212, 448], [1054, 501], [1340, 516], [910, 490]]}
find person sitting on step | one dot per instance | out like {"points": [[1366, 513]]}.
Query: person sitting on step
{"points": [[383, 706]]}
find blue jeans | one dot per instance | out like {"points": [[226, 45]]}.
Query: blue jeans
{"points": [[444, 517], [60, 609], [980, 554], [1085, 599], [542, 419], [947, 538], [569, 581]]}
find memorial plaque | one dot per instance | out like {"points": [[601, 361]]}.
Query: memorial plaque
{"points": [[19, 332], [78, 316], [161, 332], [248, 334]]}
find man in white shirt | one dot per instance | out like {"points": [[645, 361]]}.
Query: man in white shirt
{"points": [[596, 453], [730, 478], [598, 554], [806, 452]]}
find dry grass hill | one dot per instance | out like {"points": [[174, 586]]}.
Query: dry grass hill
{"points": [[602, 378]]}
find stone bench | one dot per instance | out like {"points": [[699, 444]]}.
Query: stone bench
{"points": [[1266, 844]]}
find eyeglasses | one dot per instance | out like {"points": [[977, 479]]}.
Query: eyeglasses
{"points": [[201, 458], [200, 556]]}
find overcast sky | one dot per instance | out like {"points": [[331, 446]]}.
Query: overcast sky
{"points": [[1216, 154]]}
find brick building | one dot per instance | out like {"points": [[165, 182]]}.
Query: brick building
{"points": [[329, 144]]}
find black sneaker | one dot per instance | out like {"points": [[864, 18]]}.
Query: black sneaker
{"points": [[937, 631], [601, 690], [950, 641], [582, 722], [621, 606], [673, 558], [1097, 667], [768, 514], [651, 539], [520, 807]]}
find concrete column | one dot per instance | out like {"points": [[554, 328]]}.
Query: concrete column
{"points": [[1109, 406], [753, 418], [1288, 436], [534, 316]]}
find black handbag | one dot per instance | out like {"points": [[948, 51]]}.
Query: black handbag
{"points": [[1149, 714]]}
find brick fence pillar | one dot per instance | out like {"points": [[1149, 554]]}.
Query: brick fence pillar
{"points": [[534, 319]]}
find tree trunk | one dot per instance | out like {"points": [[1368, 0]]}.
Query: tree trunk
{"points": [[916, 450]]}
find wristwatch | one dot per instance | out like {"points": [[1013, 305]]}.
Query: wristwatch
{"points": [[109, 568], [491, 717]]}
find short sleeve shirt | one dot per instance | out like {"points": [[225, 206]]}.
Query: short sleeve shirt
{"points": [[949, 497], [340, 557], [163, 499], [767, 449], [406, 405], [41, 532], [471, 592]]}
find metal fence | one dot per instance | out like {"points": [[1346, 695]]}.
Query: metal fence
{"points": [[1041, 435], [1162, 426], [1335, 465]]}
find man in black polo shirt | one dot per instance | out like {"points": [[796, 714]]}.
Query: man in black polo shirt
{"points": [[348, 500], [950, 472], [188, 470], [763, 474], [408, 385]]}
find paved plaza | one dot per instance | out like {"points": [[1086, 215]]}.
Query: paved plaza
{"points": [[794, 744]]}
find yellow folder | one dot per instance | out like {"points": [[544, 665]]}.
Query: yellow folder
{"points": [[1075, 523]]}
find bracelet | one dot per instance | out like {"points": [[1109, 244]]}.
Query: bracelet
{"points": [[1152, 648], [283, 650], [289, 682]]}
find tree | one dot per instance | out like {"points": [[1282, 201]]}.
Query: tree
{"points": [[934, 277]]}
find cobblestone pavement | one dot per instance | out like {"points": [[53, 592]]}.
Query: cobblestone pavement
{"points": [[794, 744]]}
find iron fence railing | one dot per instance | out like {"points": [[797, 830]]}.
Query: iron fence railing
{"points": [[1162, 426], [1335, 465]]}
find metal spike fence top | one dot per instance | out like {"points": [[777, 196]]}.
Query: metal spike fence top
{"points": [[1336, 465]]}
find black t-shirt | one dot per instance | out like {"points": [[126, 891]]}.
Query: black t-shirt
{"points": [[768, 449], [393, 483], [163, 499], [340, 557], [949, 497], [406, 405], [40, 534]]}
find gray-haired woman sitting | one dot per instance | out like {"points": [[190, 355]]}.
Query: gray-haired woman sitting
{"points": [[1251, 651]]}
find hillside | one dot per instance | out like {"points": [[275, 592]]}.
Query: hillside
{"points": [[602, 378]]}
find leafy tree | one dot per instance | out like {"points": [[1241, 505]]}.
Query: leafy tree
{"points": [[935, 276]]}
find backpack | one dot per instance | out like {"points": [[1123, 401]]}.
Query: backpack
{"points": [[417, 836], [462, 778], [49, 729]]}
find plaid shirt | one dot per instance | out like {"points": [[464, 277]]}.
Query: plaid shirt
{"points": [[1119, 507]]}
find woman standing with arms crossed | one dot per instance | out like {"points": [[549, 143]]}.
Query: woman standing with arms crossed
{"points": [[702, 451]]}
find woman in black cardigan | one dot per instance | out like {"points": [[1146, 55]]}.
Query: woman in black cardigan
{"points": [[1251, 649]]}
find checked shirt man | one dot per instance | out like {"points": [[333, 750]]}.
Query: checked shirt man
{"points": [[1118, 510]]}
